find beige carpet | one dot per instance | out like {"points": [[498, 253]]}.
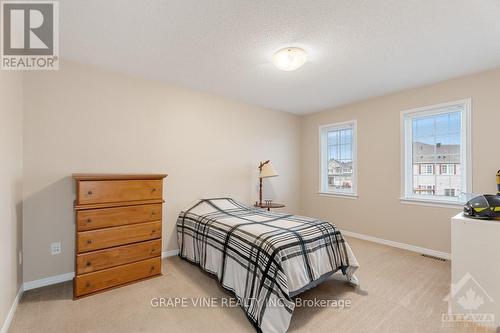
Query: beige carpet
{"points": [[400, 292]]}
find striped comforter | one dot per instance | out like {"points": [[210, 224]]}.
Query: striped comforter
{"points": [[263, 258]]}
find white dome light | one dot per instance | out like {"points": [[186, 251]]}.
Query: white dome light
{"points": [[289, 58]]}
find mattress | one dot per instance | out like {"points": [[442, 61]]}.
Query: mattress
{"points": [[263, 258]]}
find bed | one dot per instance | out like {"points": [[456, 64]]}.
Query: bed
{"points": [[263, 258]]}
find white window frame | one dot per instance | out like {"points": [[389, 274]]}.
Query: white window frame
{"points": [[323, 160], [407, 116]]}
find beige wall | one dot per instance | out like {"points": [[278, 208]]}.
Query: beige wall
{"points": [[82, 119], [11, 145], [378, 212]]}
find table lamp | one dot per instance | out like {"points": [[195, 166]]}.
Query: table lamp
{"points": [[266, 170]]}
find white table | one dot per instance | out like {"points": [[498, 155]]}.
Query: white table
{"points": [[475, 266]]}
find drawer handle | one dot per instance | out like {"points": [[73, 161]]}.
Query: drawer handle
{"points": [[89, 220], [152, 268], [88, 263], [153, 251], [89, 241], [153, 213], [153, 190], [153, 231], [89, 192], [87, 285]]}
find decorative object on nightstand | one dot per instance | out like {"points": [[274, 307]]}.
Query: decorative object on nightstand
{"points": [[498, 182], [266, 170], [486, 206]]}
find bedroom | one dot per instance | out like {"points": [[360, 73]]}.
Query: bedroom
{"points": [[191, 89]]}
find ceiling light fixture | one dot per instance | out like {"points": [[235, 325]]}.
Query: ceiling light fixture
{"points": [[289, 58]]}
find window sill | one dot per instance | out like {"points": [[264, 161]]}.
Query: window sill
{"points": [[431, 203], [338, 195]]}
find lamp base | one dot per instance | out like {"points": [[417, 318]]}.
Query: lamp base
{"points": [[260, 191]]}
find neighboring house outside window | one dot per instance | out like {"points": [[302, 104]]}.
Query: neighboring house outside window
{"points": [[436, 157], [338, 159]]}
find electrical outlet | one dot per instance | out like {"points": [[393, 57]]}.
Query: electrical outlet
{"points": [[55, 248]]}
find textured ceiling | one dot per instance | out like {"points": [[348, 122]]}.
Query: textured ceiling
{"points": [[357, 49]]}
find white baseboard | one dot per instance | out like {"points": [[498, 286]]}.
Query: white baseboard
{"points": [[403, 246], [10, 315], [68, 276], [170, 253], [48, 281]]}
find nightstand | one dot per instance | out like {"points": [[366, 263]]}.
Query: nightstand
{"points": [[269, 206], [475, 253]]}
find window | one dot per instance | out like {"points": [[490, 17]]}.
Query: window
{"points": [[338, 159], [449, 192], [436, 155], [448, 169], [427, 169]]}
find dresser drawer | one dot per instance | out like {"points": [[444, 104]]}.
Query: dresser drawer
{"points": [[108, 191], [112, 217], [102, 259], [109, 237], [112, 277]]}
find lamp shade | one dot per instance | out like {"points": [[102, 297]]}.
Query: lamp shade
{"points": [[268, 171]]}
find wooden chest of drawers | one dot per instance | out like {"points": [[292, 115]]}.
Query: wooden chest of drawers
{"points": [[118, 230]]}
